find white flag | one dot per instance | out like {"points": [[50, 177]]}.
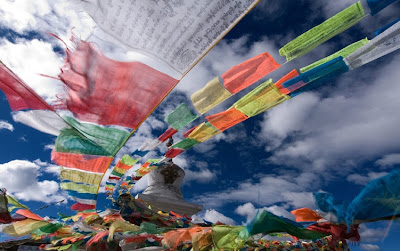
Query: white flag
{"points": [[385, 43], [179, 32]]}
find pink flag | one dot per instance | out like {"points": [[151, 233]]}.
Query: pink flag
{"points": [[19, 95], [110, 92]]}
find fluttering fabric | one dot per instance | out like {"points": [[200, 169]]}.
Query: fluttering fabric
{"points": [[71, 141], [42, 120], [266, 222], [80, 188], [378, 200], [342, 53], [247, 73], [305, 214], [91, 163], [98, 85], [180, 117], [167, 134], [177, 32], [323, 32], [82, 207], [203, 132], [378, 5], [20, 96], [28, 214], [110, 139], [209, 96], [226, 119], [290, 75], [317, 76], [385, 43], [23, 227], [122, 166], [262, 98], [81, 176]]}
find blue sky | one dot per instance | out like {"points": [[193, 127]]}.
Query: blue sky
{"points": [[334, 139]]}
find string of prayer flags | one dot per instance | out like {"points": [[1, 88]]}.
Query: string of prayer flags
{"points": [[178, 33], [135, 91], [316, 76], [290, 75], [383, 44], [226, 119], [323, 32], [180, 117], [42, 120], [247, 73], [262, 98], [122, 166], [212, 94], [342, 53], [20, 96], [378, 5]]}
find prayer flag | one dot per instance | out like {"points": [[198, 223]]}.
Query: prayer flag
{"points": [[226, 119], [247, 73], [323, 32], [180, 117]]}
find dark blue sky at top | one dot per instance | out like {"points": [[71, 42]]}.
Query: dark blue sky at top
{"points": [[232, 162]]}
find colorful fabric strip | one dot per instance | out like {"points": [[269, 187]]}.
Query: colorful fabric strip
{"points": [[84, 196], [82, 207], [343, 53], [110, 139], [173, 152], [247, 73], [209, 96], [203, 132], [314, 77], [323, 32], [226, 119], [262, 98], [91, 163], [185, 144], [81, 188], [81, 177], [180, 117], [285, 78], [167, 134]]}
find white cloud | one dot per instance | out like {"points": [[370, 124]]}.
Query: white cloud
{"points": [[269, 190], [370, 247], [363, 180], [20, 178], [213, 216], [389, 160], [350, 126], [6, 125], [249, 211], [371, 234]]}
